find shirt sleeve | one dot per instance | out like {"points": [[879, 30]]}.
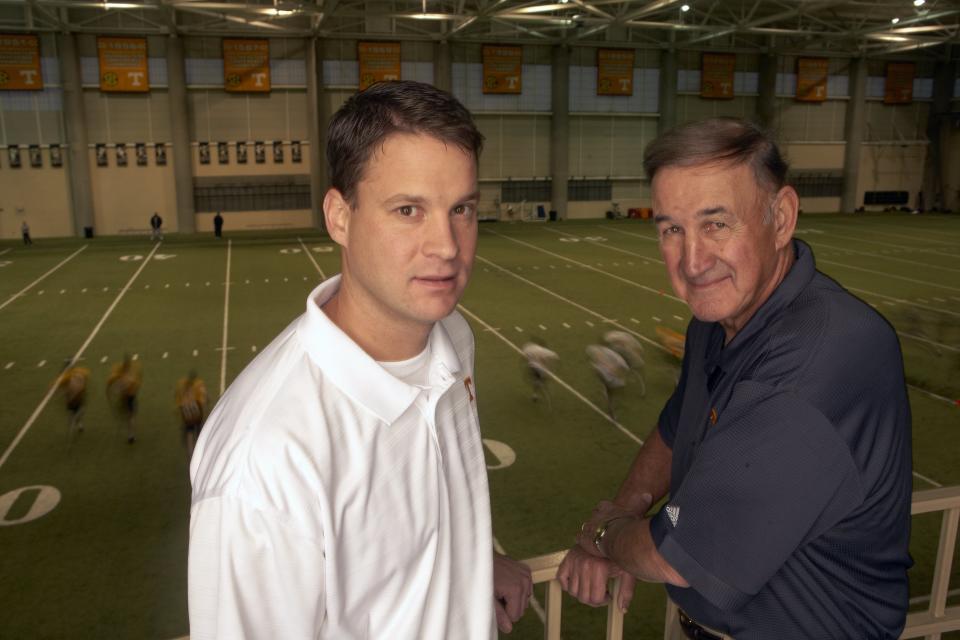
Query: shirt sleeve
{"points": [[772, 473], [251, 574]]}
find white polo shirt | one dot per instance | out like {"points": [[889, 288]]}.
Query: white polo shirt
{"points": [[333, 500]]}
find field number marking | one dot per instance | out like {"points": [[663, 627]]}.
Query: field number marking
{"points": [[45, 499], [502, 452]]}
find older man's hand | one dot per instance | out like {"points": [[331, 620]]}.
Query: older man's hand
{"points": [[512, 587], [586, 578]]}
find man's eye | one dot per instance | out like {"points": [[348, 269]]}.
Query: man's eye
{"points": [[463, 209], [407, 210]]}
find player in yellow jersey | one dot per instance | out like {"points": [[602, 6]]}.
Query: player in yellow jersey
{"points": [[191, 397], [73, 381], [122, 387]]}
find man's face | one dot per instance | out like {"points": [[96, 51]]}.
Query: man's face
{"points": [[410, 238], [721, 256]]}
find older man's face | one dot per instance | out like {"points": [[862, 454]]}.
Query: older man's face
{"points": [[721, 255]]}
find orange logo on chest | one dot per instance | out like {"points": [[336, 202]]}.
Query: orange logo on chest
{"points": [[467, 383], [714, 416]]}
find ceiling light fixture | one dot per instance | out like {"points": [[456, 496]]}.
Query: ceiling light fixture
{"points": [[919, 3], [685, 8], [895, 20]]}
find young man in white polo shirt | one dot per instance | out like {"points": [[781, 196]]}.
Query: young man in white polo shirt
{"points": [[339, 486]]}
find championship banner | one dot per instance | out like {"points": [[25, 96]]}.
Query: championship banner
{"points": [[716, 75], [378, 61], [123, 64], [615, 72], [502, 69], [20, 63], [812, 79], [899, 86], [246, 65]]}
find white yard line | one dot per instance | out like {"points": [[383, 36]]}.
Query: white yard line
{"points": [[817, 242], [903, 301], [627, 233], [880, 243], [606, 246], [888, 275], [7, 250], [226, 321], [935, 396], [310, 255], [559, 380], [929, 341], [903, 236], [574, 304], [591, 268], [40, 279], [53, 387]]}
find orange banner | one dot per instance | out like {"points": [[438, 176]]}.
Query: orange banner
{"points": [[615, 72], [502, 69], [716, 75], [246, 65], [378, 61], [123, 64], [20, 63], [899, 86], [812, 79]]}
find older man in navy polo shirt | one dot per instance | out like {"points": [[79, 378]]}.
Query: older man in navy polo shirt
{"points": [[785, 447]]}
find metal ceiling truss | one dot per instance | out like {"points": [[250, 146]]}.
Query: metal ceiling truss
{"points": [[878, 28]]}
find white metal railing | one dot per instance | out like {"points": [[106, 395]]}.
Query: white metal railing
{"points": [[937, 619]]}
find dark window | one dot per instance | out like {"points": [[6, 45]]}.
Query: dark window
{"points": [[589, 190], [255, 196], [886, 197], [818, 184], [529, 190]]}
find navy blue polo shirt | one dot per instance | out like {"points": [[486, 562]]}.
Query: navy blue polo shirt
{"points": [[790, 488]]}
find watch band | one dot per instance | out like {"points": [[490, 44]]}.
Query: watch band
{"points": [[601, 531]]}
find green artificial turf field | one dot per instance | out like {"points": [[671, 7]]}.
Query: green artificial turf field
{"points": [[107, 557]]}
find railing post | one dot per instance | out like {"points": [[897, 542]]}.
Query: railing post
{"points": [[551, 630], [941, 573]]}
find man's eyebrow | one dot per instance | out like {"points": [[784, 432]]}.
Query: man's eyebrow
{"points": [[405, 197], [710, 211]]}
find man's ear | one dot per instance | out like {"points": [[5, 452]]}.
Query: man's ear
{"points": [[785, 212], [336, 214]]}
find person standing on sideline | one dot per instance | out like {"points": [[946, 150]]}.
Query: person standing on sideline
{"points": [[73, 381], [191, 399], [786, 445], [25, 232], [218, 225], [339, 485], [156, 227], [122, 387]]}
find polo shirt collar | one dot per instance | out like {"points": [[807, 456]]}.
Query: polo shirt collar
{"points": [[796, 280], [358, 375]]}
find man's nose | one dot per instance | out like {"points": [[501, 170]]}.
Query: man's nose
{"points": [[697, 257], [440, 240]]}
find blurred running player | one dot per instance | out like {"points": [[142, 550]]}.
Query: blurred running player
{"points": [[631, 351], [73, 381], [539, 362], [612, 370], [122, 387], [191, 397]]}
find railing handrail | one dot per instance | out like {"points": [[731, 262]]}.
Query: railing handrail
{"points": [[936, 619]]}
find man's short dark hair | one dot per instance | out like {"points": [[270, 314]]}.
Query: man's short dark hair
{"points": [[385, 108], [721, 140]]}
